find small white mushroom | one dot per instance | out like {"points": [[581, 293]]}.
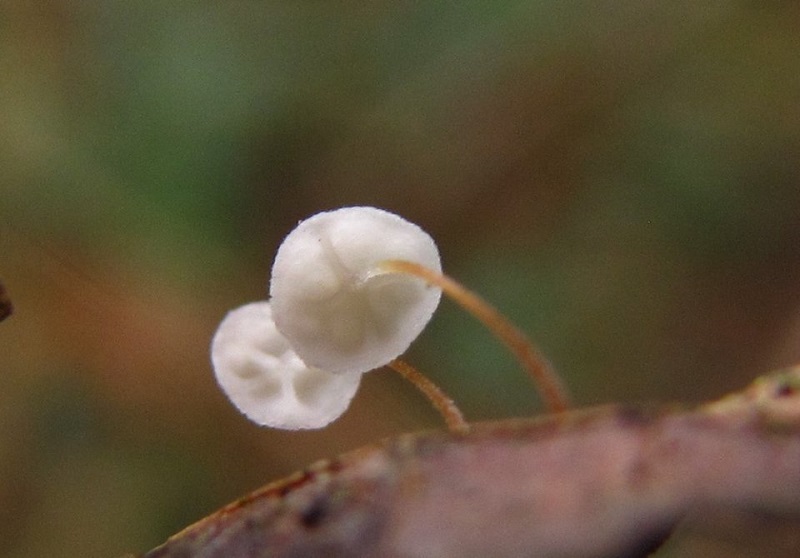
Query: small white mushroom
{"points": [[334, 303], [265, 379]]}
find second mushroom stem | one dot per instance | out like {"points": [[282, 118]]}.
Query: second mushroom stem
{"points": [[451, 414]]}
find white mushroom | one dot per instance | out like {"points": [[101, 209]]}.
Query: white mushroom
{"points": [[265, 379], [334, 303]]}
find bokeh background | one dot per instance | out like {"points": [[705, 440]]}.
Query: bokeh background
{"points": [[621, 178]]}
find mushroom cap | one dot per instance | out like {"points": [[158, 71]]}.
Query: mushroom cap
{"points": [[265, 379], [331, 301]]}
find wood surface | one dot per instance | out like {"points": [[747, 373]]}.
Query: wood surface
{"points": [[603, 482]]}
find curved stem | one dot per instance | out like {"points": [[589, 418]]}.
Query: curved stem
{"points": [[544, 376], [451, 414]]}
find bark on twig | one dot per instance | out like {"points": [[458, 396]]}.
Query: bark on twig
{"points": [[611, 481]]}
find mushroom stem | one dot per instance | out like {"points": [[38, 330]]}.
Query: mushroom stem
{"points": [[447, 408], [535, 364]]}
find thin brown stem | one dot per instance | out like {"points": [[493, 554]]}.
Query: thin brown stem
{"points": [[450, 413], [543, 374]]}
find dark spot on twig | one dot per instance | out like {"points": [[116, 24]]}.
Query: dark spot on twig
{"points": [[315, 513], [632, 416], [648, 543], [639, 474], [6, 308], [784, 389]]}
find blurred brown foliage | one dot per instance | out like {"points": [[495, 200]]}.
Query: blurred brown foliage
{"points": [[622, 180]]}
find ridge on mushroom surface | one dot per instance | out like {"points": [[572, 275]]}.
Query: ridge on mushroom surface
{"points": [[332, 301], [265, 379]]}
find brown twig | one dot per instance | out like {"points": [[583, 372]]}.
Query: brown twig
{"points": [[611, 481]]}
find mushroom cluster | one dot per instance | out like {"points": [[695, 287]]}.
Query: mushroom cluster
{"points": [[350, 290], [335, 312]]}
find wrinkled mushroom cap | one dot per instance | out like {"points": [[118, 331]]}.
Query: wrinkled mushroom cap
{"points": [[338, 311], [266, 380]]}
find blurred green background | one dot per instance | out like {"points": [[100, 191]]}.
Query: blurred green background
{"points": [[621, 178]]}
